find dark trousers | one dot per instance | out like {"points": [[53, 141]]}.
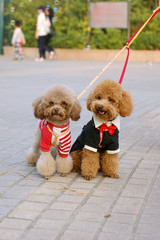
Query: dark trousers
{"points": [[42, 46], [48, 37]]}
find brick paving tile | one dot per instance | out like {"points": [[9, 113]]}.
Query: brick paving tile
{"points": [[13, 223], [78, 235]]}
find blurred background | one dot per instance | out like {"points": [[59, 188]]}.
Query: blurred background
{"points": [[71, 22]]}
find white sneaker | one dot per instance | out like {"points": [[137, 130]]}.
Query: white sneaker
{"points": [[41, 59], [51, 55]]}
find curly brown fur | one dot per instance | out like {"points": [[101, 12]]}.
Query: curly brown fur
{"points": [[110, 164], [57, 106], [90, 164], [107, 100], [77, 160]]}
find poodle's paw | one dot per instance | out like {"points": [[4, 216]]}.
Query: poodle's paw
{"points": [[47, 177], [88, 175], [32, 164], [88, 178], [63, 174], [64, 165], [114, 175], [77, 159], [77, 170], [46, 165], [32, 156]]}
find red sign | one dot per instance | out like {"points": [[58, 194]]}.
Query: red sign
{"points": [[109, 15]]}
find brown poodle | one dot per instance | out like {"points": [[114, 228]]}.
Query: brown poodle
{"points": [[55, 108], [98, 145]]}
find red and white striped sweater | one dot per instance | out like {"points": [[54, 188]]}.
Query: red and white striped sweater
{"points": [[60, 136]]}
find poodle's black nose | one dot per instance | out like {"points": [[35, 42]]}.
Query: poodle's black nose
{"points": [[56, 109], [100, 107]]}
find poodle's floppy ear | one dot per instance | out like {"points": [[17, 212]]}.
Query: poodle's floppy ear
{"points": [[125, 104], [76, 110], [89, 100], [38, 108]]}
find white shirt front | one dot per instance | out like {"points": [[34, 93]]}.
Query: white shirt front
{"points": [[18, 36], [42, 24], [98, 122]]}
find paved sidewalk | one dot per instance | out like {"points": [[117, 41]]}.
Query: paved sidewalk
{"points": [[32, 208]]}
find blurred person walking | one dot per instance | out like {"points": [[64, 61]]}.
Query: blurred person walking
{"points": [[42, 29], [17, 40], [49, 15]]}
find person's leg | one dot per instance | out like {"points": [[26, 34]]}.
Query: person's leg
{"points": [[41, 42], [48, 37], [38, 40], [20, 51], [47, 48], [44, 53], [42, 47], [15, 51]]}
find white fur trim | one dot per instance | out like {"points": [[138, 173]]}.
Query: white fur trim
{"points": [[113, 152], [64, 165], [46, 165], [90, 148]]}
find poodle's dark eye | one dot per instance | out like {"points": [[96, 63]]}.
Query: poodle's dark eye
{"points": [[51, 103], [64, 104], [99, 98], [110, 99]]}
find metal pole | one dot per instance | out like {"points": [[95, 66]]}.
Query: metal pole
{"points": [[1, 25], [89, 29], [129, 13]]}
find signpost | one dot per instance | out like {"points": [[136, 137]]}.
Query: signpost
{"points": [[110, 15]]}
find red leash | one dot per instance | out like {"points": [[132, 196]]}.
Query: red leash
{"points": [[124, 68], [130, 41]]}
